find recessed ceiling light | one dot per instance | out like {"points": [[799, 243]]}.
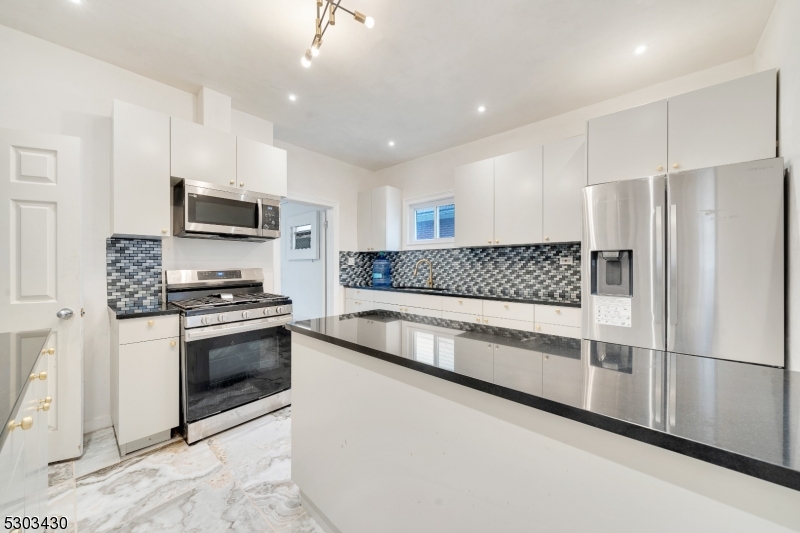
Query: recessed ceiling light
{"points": [[391, 143], [76, 1], [481, 109], [292, 97], [642, 48]]}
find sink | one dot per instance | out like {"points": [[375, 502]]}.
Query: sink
{"points": [[420, 288]]}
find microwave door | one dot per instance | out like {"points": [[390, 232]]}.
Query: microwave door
{"points": [[220, 212]]}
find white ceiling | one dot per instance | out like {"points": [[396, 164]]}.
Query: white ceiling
{"points": [[418, 76]]}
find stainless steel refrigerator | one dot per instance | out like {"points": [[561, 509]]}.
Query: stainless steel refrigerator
{"points": [[690, 262]]}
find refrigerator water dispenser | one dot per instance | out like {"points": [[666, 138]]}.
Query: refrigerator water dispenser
{"points": [[612, 274]]}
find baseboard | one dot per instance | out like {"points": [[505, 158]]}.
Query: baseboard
{"points": [[101, 422], [317, 515]]}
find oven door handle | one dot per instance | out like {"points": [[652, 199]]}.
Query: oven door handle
{"points": [[239, 327]]}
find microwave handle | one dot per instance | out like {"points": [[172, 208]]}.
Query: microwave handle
{"points": [[260, 218]]}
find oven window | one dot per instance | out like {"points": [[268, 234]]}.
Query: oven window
{"points": [[222, 212], [225, 372]]}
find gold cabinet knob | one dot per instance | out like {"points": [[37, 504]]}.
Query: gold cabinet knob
{"points": [[675, 165], [490, 241], [164, 231], [461, 302], [241, 184], [558, 311], [546, 357], [151, 322], [43, 406], [172, 343], [485, 320], [490, 346], [497, 242], [51, 351], [26, 423], [506, 306], [41, 375], [477, 319], [538, 328], [659, 168], [547, 238], [233, 182]]}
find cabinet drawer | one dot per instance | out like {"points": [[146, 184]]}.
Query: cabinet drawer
{"points": [[149, 382], [470, 306], [357, 306], [424, 301], [359, 294], [435, 313], [386, 307], [462, 317], [148, 328], [553, 314], [387, 297], [510, 310], [561, 331], [522, 325]]}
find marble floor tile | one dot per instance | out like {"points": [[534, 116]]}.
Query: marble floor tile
{"points": [[278, 501], [58, 473], [99, 451], [61, 500], [303, 524], [122, 492], [213, 506]]}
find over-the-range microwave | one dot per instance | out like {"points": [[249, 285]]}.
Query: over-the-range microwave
{"points": [[210, 211]]}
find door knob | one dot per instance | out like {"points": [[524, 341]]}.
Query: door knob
{"points": [[65, 314]]}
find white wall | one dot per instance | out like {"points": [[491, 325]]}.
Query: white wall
{"points": [[303, 280], [779, 48], [321, 180], [49, 88]]}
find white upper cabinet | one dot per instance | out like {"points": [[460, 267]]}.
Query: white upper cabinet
{"points": [[731, 122], [261, 167], [380, 220], [564, 177], [201, 153], [474, 196], [629, 144], [517, 197], [141, 162]]}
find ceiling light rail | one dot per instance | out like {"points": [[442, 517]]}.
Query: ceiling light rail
{"points": [[329, 8]]}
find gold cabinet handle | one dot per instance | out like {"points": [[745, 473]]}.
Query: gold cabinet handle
{"points": [[497, 242], [233, 182], [461, 302], [50, 351], [675, 165], [538, 328], [43, 406], [241, 184], [172, 343], [547, 238], [41, 375], [659, 168], [26, 423], [490, 241], [485, 320], [558, 311], [164, 231], [151, 322], [506, 306]]}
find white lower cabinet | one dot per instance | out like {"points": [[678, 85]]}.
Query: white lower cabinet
{"points": [[357, 306], [562, 379], [518, 369], [145, 380], [474, 359], [381, 335], [470, 306], [508, 310], [23, 457]]}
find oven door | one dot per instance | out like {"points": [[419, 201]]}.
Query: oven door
{"points": [[219, 212], [229, 365]]}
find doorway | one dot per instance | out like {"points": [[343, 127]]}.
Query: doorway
{"points": [[305, 257]]}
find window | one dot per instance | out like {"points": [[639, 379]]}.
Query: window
{"points": [[432, 222], [433, 349]]}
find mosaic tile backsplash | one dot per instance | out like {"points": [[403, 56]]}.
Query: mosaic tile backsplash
{"points": [[518, 272], [133, 274]]}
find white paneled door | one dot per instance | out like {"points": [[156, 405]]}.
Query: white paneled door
{"points": [[40, 270]]}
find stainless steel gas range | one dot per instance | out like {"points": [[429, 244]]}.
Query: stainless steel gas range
{"points": [[235, 348]]}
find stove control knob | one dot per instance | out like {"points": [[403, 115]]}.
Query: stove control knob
{"points": [[245, 314], [206, 320], [221, 318], [279, 310], [268, 311]]}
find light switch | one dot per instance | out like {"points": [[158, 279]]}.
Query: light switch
{"points": [[565, 260]]}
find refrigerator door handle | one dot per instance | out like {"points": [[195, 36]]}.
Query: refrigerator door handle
{"points": [[658, 295], [673, 264]]}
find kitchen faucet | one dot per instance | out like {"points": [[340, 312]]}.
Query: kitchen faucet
{"points": [[430, 266]]}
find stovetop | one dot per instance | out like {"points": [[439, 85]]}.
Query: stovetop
{"points": [[237, 300]]}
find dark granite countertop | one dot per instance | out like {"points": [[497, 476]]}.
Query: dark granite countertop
{"points": [[423, 290], [156, 310], [19, 352], [738, 416]]}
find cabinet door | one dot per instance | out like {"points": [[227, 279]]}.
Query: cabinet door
{"points": [[518, 369], [474, 187], [379, 219], [731, 122], [518, 197], [202, 153], [629, 144], [141, 159], [387, 205], [474, 359], [364, 221], [563, 178], [261, 167], [148, 388], [562, 379]]}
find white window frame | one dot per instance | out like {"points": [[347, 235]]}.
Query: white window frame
{"points": [[421, 203]]}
